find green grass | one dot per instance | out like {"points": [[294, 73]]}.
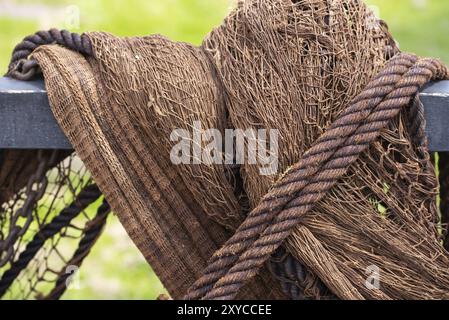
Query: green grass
{"points": [[115, 269], [420, 26], [10, 35], [181, 20]]}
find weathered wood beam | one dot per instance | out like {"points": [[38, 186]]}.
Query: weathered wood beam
{"points": [[435, 98], [28, 123]]}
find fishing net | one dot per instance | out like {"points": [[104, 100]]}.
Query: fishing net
{"points": [[308, 60], [51, 215], [355, 188]]}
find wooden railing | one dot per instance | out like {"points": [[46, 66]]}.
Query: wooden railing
{"points": [[28, 123]]}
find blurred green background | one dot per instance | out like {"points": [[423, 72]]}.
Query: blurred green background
{"points": [[116, 269]]}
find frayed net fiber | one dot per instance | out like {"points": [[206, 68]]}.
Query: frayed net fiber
{"points": [[293, 66]]}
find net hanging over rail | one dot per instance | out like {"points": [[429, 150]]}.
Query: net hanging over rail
{"points": [[356, 185]]}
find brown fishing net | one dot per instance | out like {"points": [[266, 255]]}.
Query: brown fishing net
{"points": [[307, 60], [51, 215], [356, 188]]}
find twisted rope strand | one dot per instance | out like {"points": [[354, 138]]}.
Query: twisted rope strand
{"points": [[23, 68], [295, 279], [86, 197], [318, 186], [285, 190], [342, 143], [89, 239]]}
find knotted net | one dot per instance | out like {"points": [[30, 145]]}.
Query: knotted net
{"points": [[52, 213], [356, 187]]}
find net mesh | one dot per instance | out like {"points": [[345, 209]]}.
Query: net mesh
{"points": [[295, 66], [289, 65], [43, 224]]}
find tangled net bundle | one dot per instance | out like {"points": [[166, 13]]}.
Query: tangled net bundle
{"points": [[356, 186], [307, 60]]}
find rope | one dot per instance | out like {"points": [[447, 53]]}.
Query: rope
{"points": [[23, 68], [89, 239], [290, 273], [272, 221], [86, 197], [303, 185], [35, 189], [296, 281]]}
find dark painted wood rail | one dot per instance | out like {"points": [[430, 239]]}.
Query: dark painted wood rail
{"points": [[26, 119], [28, 123]]}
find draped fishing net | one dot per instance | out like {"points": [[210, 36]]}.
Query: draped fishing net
{"points": [[311, 69], [307, 60], [50, 217]]}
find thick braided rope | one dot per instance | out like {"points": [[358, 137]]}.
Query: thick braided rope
{"points": [[291, 273], [249, 263], [260, 217], [86, 197], [89, 239], [309, 180], [294, 278], [23, 68]]}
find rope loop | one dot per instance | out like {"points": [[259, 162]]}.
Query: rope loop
{"points": [[23, 67]]}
